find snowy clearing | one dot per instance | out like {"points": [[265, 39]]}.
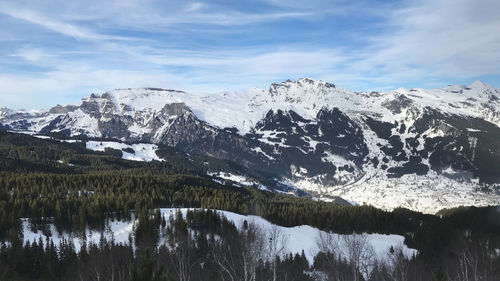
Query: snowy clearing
{"points": [[299, 238], [142, 151]]}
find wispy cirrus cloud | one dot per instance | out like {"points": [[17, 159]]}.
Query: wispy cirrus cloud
{"points": [[445, 38], [54, 25]]}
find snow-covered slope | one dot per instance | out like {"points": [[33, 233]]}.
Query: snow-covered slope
{"points": [[135, 152], [416, 148], [299, 238]]}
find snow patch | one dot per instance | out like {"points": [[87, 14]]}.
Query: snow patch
{"points": [[142, 151], [237, 179]]}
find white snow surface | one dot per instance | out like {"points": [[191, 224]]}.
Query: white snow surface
{"points": [[143, 151], [299, 238], [427, 194]]}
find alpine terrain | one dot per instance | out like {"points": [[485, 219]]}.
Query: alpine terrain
{"points": [[421, 149]]}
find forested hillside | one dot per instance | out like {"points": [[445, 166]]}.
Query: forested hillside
{"points": [[63, 183]]}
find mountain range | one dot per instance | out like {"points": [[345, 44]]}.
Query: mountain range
{"points": [[415, 148]]}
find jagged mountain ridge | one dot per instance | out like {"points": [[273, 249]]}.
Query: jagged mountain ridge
{"points": [[416, 148]]}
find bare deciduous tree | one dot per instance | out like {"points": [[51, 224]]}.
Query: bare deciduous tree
{"points": [[238, 257], [400, 264], [359, 253], [329, 244], [475, 262], [276, 247], [334, 259], [182, 257], [224, 258]]}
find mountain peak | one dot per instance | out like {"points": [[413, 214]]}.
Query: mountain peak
{"points": [[478, 84], [306, 81], [4, 111], [300, 86]]}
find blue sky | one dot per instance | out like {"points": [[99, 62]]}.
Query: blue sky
{"points": [[57, 51]]}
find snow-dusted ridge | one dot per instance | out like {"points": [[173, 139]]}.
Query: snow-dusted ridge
{"points": [[243, 109], [306, 97]]}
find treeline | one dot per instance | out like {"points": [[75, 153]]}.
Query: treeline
{"points": [[24, 153], [203, 245], [77, 201], [77, 188]]}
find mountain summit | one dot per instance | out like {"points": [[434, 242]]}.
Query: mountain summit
{"points": [[478, 84]]}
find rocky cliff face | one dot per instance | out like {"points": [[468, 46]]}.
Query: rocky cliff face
{"points": [[422, 149]]}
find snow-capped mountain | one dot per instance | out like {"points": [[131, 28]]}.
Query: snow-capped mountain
{"points": [[415, 148]]}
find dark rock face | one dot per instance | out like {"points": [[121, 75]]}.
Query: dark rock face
{"points": [[397, 105], [468, 144], [59, 109], [53, 125], [413, 166], [175, 109], [91, 107], [394, 149], [115, 128], [192, 135], [297, 145], [343, 135], [462, 143], [20, 125]]}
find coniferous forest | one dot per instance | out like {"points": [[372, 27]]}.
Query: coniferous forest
{"points": [[64, 184]]}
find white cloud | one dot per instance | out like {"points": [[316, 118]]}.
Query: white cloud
{"points": [[146, 15], [451, 38], [54, 25], [195, 6], [33, 55]]}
